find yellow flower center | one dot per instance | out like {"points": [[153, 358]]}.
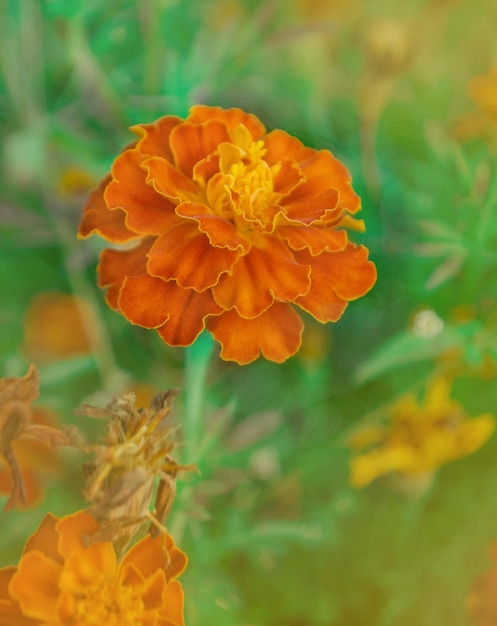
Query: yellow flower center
{"points": [[107, 603], [248, 197]]}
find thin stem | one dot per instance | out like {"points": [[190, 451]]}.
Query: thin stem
{"points": [[196, 367]]}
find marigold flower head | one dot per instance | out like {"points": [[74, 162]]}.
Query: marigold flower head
{"points": [[27, 437], [481, 602], [227, 228], [62, 582], [418, 438]]}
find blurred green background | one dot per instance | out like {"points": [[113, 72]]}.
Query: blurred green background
{"points": [[275, 534]]}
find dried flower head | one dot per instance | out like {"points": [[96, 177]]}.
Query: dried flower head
{"points": [[24, 435], [120, 478], [227, 228], [418, 438], [61, 581]]}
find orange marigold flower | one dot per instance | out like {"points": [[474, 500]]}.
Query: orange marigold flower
{"points": [[227, 227], [27, 436], [60, 581], [481, 601]]}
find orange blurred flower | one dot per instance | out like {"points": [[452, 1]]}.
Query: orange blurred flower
{"points": [[482, 90], [418, 438], [27, 436], [227, 227], [481, 601], [57, 326], [61, 581]]}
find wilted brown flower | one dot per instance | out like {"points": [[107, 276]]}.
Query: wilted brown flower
{"points": [[20, 433], [120, 479]]}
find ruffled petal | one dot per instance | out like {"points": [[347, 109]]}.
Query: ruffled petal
{"points": [[144, 300], [98, 218], [323, 171], [171, 182], [188, 311], [154, 138], [287, 177], [267, 273], [276, 333], [221, 232], [72, 529], [147, 212], [45, 539], [147, 555], [186, 254], [35, 586], [190, 143], [232, 118], [313, 209], [316, 240], [174, 602], [83, 568], [281, 145], [115, 265], [336, 278]]}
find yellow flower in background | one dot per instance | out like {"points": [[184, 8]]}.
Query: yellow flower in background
{"points": [[60, 580], [482, 90], [419, 437]]}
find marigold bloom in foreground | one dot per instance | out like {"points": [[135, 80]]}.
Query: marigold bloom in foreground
{"points": [[227, 227], [481, 601], [419, 437], [61, 582]]}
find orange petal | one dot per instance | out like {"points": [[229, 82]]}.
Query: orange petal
{"points": [[82, 567], [231, 117], [336, 278], [174, 601], [185, 254], [144, 300], [190, 143], [171, 182], [267, 273], [312, 209], [277, 333], [45, 539], [153, 593], [188, 311], [316, 240], [281, 145], [35, 586], [147, 212], [324, 171], [115, 265], [98, 218], [71, 529], [220, 231], [288, 177], [154, 138], [147, 556]]}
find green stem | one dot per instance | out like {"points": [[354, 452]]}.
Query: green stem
{"points": [[196, 367]]}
